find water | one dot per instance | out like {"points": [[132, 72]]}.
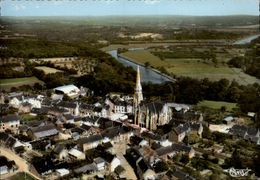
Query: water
{"points": [[246, 40], [147, 74]]}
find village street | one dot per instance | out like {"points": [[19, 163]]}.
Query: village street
{"points": [[21, 163]]}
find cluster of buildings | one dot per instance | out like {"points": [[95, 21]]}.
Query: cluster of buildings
{"points": [[120, 135]]}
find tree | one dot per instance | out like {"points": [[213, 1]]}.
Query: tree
{"points": [[66, 97], [206, 133], [147, 64]]}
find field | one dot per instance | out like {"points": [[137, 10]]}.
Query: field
{"points": [[48, 70], [16, 82], [22, 176], [217, 104], [192, 67]]}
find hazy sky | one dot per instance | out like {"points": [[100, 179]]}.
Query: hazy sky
{"points": [[127, 7]]}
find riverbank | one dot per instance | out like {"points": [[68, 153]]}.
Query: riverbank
{"points": [[153, 69]]}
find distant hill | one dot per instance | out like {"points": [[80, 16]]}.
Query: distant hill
{"points": [[170, 21]]}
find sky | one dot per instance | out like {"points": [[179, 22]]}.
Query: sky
{"points": [[128, 7]]}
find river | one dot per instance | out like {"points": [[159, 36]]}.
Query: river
{"points": [[153, 76], [147, 74], [246, 40]]}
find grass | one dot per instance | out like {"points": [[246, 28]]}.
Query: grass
{"points": [[22, 176], [16, 82], [28, 117], [217, 104], [192, 67], [48, 70]]}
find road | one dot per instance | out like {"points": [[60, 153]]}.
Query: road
{"points": [[22, 164]]}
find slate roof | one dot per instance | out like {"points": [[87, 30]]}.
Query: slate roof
{"points": [[195, 126], [86, 168], [66, 104], [243, 131], [143, 165], [150, 135], [90, 139], [115, 131], [40, 111], [92, 119], [59, 148], [164, 150], [68, 116], [252, 131], [99, 160], [45, 131], [181, 147], [7, 139], [9, 118], [182, 128]]}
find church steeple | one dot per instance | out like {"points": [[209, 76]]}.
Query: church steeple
{"points": [[138, 87], [138, 97]]}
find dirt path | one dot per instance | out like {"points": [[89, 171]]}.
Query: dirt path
{"points": [[22, 164]]}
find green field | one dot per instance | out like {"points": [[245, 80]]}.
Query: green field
{"points": [[48, 70], [192, 67], [21, 176], [217, 104], [16, 82]]}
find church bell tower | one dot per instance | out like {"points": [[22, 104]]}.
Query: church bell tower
{"points": [[138, 97]]}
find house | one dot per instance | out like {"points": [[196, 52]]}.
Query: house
{"points": [[118, 134], [228, 120], [44, 131], [141, 166], [72, 107], [196, 128], [176, 175], [88, 168], [170, 151], [178, 133], [25, 107], [6, 166], [60, 152], [120, 172], [11, 122], [9, 141], [248, 133], [144, 171], [114, 164], [77, 154], [71, 90], [90, 142], [62, 172], [100, 163]]}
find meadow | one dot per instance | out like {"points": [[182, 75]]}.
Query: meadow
{"points": [[217, 105], [192, 67], [48, 70], [6, 84]]}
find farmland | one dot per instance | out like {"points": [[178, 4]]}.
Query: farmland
{"points": [[48, 70], [193, 67], [217, 105], [16, 82]]}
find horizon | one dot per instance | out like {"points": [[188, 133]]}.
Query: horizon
{"points": [[130, 8], [133, 15]]}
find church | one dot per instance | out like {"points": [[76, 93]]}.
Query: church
{"points": [[152, 114]]}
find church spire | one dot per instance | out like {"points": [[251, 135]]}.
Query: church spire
{"points": [[138, 87], [138, 97]]}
